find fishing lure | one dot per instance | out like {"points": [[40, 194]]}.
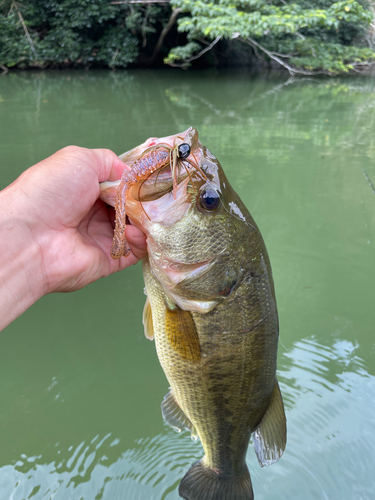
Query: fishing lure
{"points": [[153, 159]]}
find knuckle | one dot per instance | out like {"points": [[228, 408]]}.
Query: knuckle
{"points": [[72, 150]]}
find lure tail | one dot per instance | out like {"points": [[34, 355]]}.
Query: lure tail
{"points": [[203, 483]]}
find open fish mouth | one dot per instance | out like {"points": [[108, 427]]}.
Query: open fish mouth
{"points": [[153, 159], [157, 185], [162, 205]]}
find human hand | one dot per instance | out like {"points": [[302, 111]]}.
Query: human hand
{"points": [[57, 229]]}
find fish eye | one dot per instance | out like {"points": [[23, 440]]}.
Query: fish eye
{"points": [[209, 199], [183, 150]]}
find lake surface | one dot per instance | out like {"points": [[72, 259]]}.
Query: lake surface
{"points": [[80, 385]]}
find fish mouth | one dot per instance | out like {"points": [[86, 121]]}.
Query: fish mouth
{"points": [[152, 201], [162, 205], [161, 181], [154, 170], [153, 188], [160, 184], [156, 186]]}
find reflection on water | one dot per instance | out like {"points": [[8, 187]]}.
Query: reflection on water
{"points": [[330, 400], [152, 469], [325, 389], [80, 387]]}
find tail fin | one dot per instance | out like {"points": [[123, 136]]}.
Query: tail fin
{"points": [[203, 483]]}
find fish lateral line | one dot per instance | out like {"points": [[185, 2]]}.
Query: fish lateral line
{"points": [[247, 330]]}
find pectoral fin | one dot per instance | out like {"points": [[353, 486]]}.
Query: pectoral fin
{"points": [[182, 334], [147, 320], [269, 437], [174, 416]]}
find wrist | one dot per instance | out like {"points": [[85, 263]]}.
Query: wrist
{"points": [[22, 280]]}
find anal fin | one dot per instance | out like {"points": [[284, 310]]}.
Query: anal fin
{"points": [[269, 437], [182, 334], [174, 416]]}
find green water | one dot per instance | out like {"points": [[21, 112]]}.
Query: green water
{"points": [[80, 385]]}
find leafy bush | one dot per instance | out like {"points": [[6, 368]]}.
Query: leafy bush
{"points": [[14, 47], [303, 36], [307, 36], [67, 32]]}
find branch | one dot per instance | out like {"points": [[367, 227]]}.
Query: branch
{"points": [[164, 33], [4, 68], [198, 55], [112, 63], [25, 29], [363, 67], [143, 30], [273, 56], [285, 56], [257, 54], [359, 67]]}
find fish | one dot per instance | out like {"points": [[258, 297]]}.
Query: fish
{"points": [[211, 309]]}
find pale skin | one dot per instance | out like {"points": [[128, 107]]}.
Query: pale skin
{"points": [[55, 234]]}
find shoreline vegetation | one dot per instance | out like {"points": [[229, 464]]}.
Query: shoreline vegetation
{"points": [[302, 36]]}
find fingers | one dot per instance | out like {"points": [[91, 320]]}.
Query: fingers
{"points": [[104, 162], [117, 170], [138, 247], [137, 241], [107, 164], [134, 236]]}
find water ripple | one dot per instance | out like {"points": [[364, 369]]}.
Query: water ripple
{"points": [[330, 405]]}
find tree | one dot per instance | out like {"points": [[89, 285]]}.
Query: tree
{"points": [[304, 36], [307, 37], [64, 33]]}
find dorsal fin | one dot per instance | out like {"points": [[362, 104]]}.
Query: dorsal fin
{"points": [[182, 334], [269, 437], [147, 320]]}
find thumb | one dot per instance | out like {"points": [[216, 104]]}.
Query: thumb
{"points": [[107, 164]]}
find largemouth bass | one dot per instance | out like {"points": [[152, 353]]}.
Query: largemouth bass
{"points": [[211, 308]]}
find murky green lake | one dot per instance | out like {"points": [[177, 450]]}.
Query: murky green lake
{"points": [[80, 385]]}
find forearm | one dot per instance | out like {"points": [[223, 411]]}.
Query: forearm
{"points": [[21, 272]]}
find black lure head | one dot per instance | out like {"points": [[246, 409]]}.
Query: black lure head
{"points": [[183, 150]]}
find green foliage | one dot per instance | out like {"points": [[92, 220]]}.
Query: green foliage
{"points": [[303, 35], [73, 32], [313, 36], [14, 47], [313, 55], [182, 53]]}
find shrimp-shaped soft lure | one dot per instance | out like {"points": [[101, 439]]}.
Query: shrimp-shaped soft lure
{"points": [[153, 159]]}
